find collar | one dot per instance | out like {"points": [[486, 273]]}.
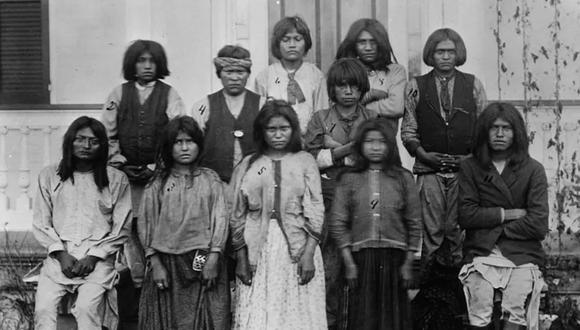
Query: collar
{"points": [[149, 85], [351, 117]]}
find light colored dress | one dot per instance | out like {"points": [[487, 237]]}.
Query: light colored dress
{"points": [[273, 83], [290, 187]]}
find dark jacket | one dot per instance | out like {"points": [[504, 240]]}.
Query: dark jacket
{"points": [[482, 194], [352, 222]]}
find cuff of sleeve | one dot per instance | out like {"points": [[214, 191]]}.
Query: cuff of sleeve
{"points": [[324, 158], [502, 211], [117, 158], [412, 147], [313, 234], [238, 246], [56, 247], [414, 249], [149, 252], [343, 245], [98, 252], [216, 249]]}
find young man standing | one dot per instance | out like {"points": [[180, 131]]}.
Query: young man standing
{"points": [[441, 108], [503, 207], [134, 115], [82, 215]]}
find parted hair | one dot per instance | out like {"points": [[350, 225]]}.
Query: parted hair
{"points": [[385, 55], [347, 71], [138, 48], [441, 35], [507, 112], [271, 109], [286, 25], [392, 161], [67, 165], [164, 160], [233, 51]]}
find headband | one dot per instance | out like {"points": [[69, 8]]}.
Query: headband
{"points": [[222, 62]]}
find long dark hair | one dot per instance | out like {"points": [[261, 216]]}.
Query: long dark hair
{"points": [[164, 159], [385, 55], [67, 165], [520, 144], [275, 108], [390, 163], [136, 49]]}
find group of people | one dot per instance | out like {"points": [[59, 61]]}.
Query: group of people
{"points": [[287, 207]]}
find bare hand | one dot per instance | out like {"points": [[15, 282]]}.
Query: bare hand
{"points": [[86, 265], [433, 159], [514, 214], [351, 275], [67, 263], [306, 268], [407, 273], [210, 270], [330, 143], [137, 173], [243, 267], [160, 275]]}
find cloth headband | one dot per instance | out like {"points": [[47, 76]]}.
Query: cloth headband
{"points": [[222, 62]]}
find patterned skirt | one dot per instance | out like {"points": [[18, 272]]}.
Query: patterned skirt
{"points": [[186, 304], [379, 301], [275, 300]]}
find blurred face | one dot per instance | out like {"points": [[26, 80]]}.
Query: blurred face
{"points": [[347, 95], [366, 47], [185, 151], [85, 145], [234, 79], [374, 147], [292, 46], [501, 135], [278, 133], [445, 56], [145, 68]]}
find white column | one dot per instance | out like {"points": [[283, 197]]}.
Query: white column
{"points": [[46, 134], [3, 170], [23, 200]]}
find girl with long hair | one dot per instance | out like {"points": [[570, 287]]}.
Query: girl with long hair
{"points": [[276, 224], [183, 227], [376, 223]]}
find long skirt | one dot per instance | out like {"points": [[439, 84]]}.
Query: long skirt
{"points": [[275, 300], [379, 301], [186, 304]]}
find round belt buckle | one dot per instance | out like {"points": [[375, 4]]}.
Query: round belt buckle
{"points": [[238, 133]]}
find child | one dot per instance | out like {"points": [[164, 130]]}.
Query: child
{"points": [[276, 224], [135, 114], [376, 222], [182, 219], [329, 139], [291, 79]]}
